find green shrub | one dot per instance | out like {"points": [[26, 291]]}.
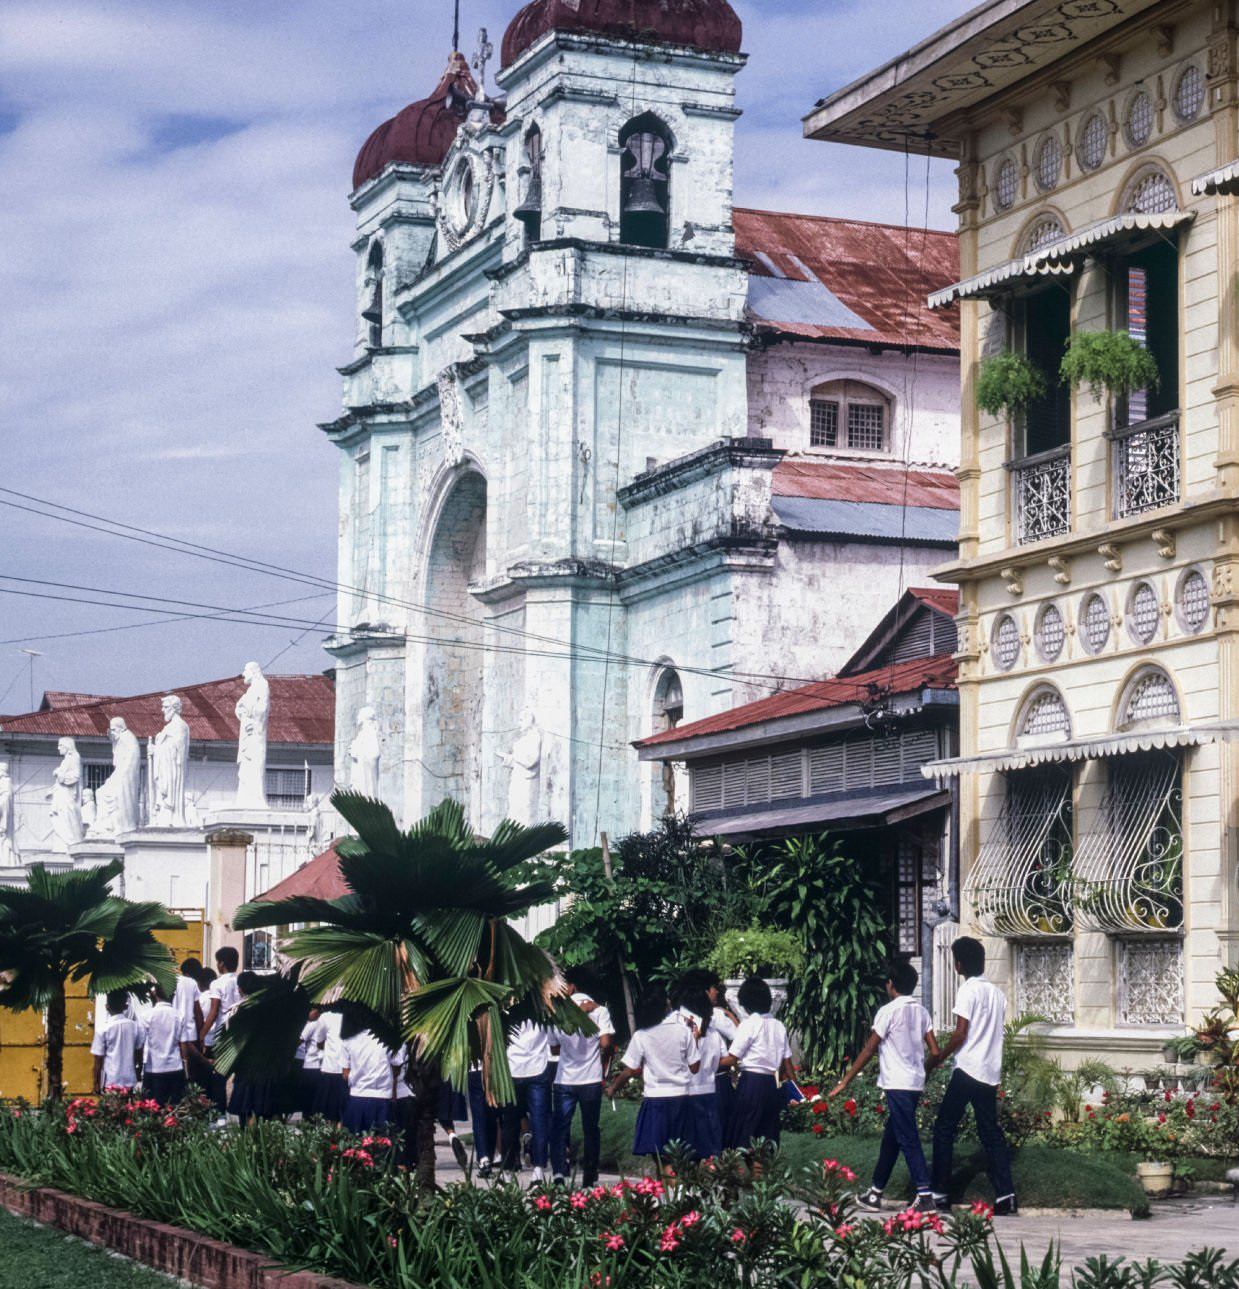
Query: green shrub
{"points": [[756, 951], [1007, 383], [1107, 362]]}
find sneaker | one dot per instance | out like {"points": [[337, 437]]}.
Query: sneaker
{"points": [[1006, 1207], [527, 1148], [871, 1200], [924, 1203], [942, 1204], [484, 1169], [460, 1152], [559, 1180]]}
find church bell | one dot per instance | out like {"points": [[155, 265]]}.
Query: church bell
{"points": [[529, 212], [642, 198]]}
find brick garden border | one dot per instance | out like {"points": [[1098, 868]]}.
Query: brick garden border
{"points": [[170, 1249]]}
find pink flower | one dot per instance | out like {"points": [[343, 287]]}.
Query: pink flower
{"points": [[391, 1239], [543, 1204], [690, 1219], [830, 1165], [847, 1174], [842, 1232], [981, 1209], [578, 1199], [738, 1236], [613, 1240]]}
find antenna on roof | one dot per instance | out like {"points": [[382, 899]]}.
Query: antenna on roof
{"points": [[32, 654], [456, 27]]}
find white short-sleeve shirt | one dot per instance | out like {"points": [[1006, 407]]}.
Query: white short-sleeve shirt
{"points": [[663, 1054], [369, 1066], [187, 994], [311, 1045], [333, 1046], [529, 1050], [760, 1044], [164, 1035], [711, 1048], [118, 1043], [901, 1027], [225, 989], [984, 1006], [580, 1055]]}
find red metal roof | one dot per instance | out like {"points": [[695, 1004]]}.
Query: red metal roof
{"points": [[899, 678], [302, 711], [55, 699], [319, 879], [882, 272], [937, 597], [892, 485]]}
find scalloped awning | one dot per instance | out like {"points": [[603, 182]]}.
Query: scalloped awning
{"points": [[1090, 749], [1220, 182]]}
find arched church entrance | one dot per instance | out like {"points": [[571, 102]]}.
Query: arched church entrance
{"points": [[452, 707]]}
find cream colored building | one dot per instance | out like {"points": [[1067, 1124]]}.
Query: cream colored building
{"points": [[1099, 538]]}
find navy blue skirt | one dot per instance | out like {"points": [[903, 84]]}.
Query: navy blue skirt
{"points": [[364, 1114], [755, 1111], [705, 1130], [255, 1099], [330, 1097], [660, 1121]]}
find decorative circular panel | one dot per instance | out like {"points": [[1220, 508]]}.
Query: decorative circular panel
{"points": [[1051, 633], [1189, 94], [1139, 124], [1006, 644], [1193, 600], [1005, 184], [1142, 613], [1095, 624], [1093, 141], [1049, 162]]}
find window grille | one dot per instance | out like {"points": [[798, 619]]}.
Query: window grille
{"points": [[1139, 124], [1020, 883], [1143, 615], [1193, 600], [1045, 981], [1154, 194], [94, 775], [1189, 94], [1096, 621], [1051, 633], [1045, 714], [867, 427], [1151, 988], [287, 788], [1150, 698], [925, 635], [1006, 184], [1146, 456], [1006, 645], [1049, 162], [908, 895], [706, 789], [823, 423], [1093, 141], [1046, 230], [1129, 862]]}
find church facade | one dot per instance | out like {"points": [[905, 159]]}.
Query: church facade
{"points": [[615, 453]]}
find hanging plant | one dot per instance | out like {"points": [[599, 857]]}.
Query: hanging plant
{"points": [[1108, 362], [1007, 383]]}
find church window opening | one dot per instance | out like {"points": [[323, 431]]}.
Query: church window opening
{"points": [[848, 414], [668, 713], [287, 789], [645, 199], [372, 314], [529, 212]]}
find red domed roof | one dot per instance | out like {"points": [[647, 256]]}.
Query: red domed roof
{"points": [[704, 24], [422, 133]]}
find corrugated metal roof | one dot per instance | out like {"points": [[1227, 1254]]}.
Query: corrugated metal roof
{"points": [[881, 273], [845, 810], [302, 711], [318, 878], [882, 484], [55, 699], [867, 519], [937, 597], [899, 678]]}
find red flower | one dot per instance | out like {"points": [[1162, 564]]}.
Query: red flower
{"points": [[850, 1106], [819, 1129]]}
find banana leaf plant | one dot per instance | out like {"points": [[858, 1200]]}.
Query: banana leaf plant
{"points": [[421, 943]]}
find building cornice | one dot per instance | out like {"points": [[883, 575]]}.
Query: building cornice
{"points": [[753, 454]]}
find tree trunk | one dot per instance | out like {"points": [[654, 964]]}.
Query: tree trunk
{"points": [[427, 1118], [56, 1044]]}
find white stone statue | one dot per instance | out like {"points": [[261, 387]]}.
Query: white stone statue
{"points": [[8, 851], [253, 709], [169, 756], [66, 798], [525, 762], [363, 755], [314, 824], [116, 801]]}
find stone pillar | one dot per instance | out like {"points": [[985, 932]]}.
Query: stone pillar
{"points": [[227, 849]]}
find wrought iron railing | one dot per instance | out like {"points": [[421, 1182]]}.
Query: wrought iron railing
{"points": [[1042, 491], [1145, 465]]}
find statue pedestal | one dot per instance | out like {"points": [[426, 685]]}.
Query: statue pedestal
{"points": [[257, 821], [168, 865], [94, 852]]}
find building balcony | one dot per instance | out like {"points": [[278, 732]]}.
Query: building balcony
{"points": [[1145, 465], [1042, 495]]}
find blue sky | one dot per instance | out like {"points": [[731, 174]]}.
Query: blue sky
{"points": [[177, 283]]}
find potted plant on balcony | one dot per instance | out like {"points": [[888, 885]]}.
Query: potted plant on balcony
{"points": [[755, 951], [1007, 383], [1108, 362]]}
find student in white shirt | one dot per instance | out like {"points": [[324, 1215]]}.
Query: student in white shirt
{"points": [[370, 1071], [331, 1097], [902, 1029], [252, 1097], [764, 1056], [529, 1059], [705, 1116], [163, 1065], [583, 1062], [116, 1045], [310, 1056], [187, 1003], [221, 998], [976, 1044], [663, 1053]]}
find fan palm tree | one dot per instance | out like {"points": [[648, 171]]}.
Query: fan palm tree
{"points": [[68, 926], [420, 945]]}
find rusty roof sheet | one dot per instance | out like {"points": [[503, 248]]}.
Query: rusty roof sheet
{"points": [[55, 699], [899, 678], [302, 711], [319, 878], [937, 597], [893, 484], [879, 274]]}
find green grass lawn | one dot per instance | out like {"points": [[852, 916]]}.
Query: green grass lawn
{"points": [[33, 1257]]}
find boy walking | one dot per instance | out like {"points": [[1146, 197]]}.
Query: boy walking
{"points": [[583, 1061], [980, 1013], [902, 1029]]}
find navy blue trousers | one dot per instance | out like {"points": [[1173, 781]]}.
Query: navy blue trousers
{"points": [[964, 1091], [566, 1098], [899, 1134]]}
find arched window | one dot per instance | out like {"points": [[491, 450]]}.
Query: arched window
{"points": [[1149, 699], [372, 314], [529, 212], [1044, 717], [848, 414], [645, 182], [667, 714]]}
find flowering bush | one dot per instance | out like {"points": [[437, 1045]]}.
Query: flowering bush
{"points": [[128, 1111]]}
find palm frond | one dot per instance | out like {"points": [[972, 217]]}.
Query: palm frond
{"points": [[512, 843], [260, 1040], [440, 1017], [454, 936], [448, 820], [371, 819], [347, 911]]}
